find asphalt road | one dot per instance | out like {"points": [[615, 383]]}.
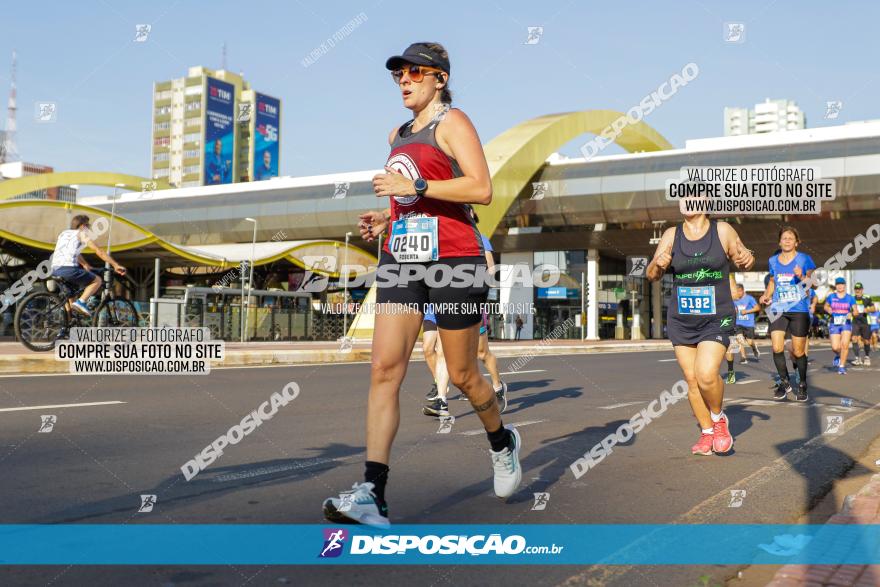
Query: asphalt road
{"points": [[98, 459]]}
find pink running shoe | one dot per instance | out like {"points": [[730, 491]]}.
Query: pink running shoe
{"points": [[722, 441], [704, 445]]}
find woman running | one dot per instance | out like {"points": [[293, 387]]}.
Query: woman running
{"points": [[839, 305], [788, 268], [436, 169], [700, 317]]}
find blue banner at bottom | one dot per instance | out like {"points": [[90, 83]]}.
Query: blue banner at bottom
{"points": [[531, 544]]}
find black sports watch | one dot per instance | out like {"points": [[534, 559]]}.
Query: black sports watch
{"points": [[421, 186]]}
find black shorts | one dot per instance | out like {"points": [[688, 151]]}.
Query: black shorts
{"points": [[794, 323], [456, 306], [862, 329], [691, 333], [747, 331]]}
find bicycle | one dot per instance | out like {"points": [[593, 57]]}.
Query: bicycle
{"points": [[43, 317]]}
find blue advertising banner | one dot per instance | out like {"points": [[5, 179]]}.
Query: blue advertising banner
{"points": [[515, 544], [266, 145], [558, 293], [219, 132]]}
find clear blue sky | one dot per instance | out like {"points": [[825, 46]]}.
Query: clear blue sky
{"points": [[337, 112]]}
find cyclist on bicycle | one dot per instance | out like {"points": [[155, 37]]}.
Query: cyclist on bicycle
{"points": [[69, 264]]}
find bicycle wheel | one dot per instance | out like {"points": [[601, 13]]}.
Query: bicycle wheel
{"points": [[116, 313], [39, 318]]}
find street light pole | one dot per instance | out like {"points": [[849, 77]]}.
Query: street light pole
{"points": [[345, 290], [112, 216], [247, 308]]}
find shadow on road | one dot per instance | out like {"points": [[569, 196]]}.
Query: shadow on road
{"points": [[213, 482], [551, 460]]}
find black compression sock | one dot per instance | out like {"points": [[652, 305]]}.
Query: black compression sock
{"points": [[377, 474], [781, 367], [500, 439], [755, 349], [801, 363], [729, 365], [855, 348], [867, 350]]}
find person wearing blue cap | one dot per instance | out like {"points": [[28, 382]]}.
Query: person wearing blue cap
{"points": [[839, 305]]}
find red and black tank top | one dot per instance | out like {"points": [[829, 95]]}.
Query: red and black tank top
{"points": [[417, 154]]}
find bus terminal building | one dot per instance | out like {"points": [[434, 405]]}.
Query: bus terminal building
{"points": [[593, 219]]}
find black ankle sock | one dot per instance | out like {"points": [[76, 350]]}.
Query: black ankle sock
{"points": [[801, 363], [377, 474], [781, 367], [729, 365], [500, 439]]}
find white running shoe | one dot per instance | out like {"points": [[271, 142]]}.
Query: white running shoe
{"points": [[501, 396], [358, 505], [866, 361], [856, 361], [508, 471]]}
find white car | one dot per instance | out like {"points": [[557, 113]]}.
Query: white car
{"points": [[762, 327]]}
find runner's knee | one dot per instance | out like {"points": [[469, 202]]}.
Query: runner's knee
{"points": [[385, 371], [466, 379], [706, 375]]}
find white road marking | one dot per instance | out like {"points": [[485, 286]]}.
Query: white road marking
{"points": [[518, 372], [514, 424], [623, 405], [748, 381], [666, 360], [60, 406]]}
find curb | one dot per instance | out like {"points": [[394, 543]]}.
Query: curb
{"points": [[32, 363], [861, 508], [45, 363]]}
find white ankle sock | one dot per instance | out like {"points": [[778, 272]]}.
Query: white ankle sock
{"points": [[707, 430], [717, 417]]}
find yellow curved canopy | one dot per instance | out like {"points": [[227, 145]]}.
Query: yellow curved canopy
{"points": [[31, 183], [37, 223]]}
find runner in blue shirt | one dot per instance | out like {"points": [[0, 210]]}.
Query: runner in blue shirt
{"points": [[839, 306], [744, 331], [788, 268], [747, 308]]}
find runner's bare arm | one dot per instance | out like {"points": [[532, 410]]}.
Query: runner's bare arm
{"points": [[736, 250], [768, 292], [662, 256]]}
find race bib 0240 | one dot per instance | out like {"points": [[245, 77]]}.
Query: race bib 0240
{"points": [[414, 240]]}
